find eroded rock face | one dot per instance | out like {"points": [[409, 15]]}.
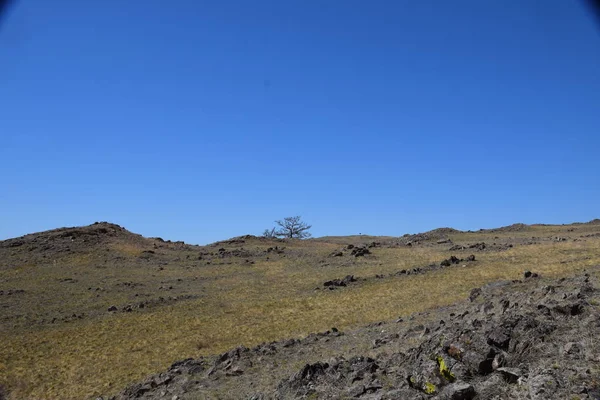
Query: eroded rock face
{"points": [[355, 377], [525, 340]]}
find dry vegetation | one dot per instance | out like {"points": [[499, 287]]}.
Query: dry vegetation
{"points": [[59, 340]]}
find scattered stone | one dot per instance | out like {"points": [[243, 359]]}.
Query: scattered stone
{"points": [[340, 282], [452, 260], [478, 246], [499, 344], [360, 251], [11, 292]]}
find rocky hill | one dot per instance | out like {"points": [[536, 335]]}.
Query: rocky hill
{"points": [[88, 311], [527, 339]]}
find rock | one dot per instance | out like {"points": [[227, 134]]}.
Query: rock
{"points": [[356, 391], [337, 254], [542, 387], [494, 387], [360, 251], [592, 393], [235, 371], [374, 386], [475, 293], [458, 391], [572, 349], [340, 282], [454, 351], [10, 292], [478, 360], [112, 308], [510, 375], [334, 283], [310, 372], [302, 383], [402, 394], [478, 246], [498, 361], [569, 308], [500, 342], [471, 257], [499, 338], [443, 241], [450, 261]]}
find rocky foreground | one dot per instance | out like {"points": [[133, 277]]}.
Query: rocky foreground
{"points": [[529, 339]]}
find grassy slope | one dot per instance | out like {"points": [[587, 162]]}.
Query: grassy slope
{"points": [[237, 302]]}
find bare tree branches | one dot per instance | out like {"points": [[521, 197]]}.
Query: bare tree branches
{"points": [[269, 233], [290, 227]]}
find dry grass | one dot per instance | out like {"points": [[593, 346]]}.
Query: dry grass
{"points": [[239, 304]]}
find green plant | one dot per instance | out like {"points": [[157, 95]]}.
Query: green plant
{"points": [[444, 370]]}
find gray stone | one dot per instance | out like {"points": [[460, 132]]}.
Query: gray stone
{"points": [[510, 375], [542, 387], [458, 391]]}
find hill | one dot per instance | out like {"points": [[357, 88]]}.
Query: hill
{"points": [[522, 339], [86, 311]]}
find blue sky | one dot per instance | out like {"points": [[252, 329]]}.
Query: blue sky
{"points": [[203, 120]]}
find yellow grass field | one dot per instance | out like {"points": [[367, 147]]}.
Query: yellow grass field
{"points": [[232, 300]]}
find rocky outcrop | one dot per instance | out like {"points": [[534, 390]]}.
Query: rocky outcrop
{"points": [[520, 340]]}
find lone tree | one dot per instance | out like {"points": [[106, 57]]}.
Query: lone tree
{"points": [[290, 227]]}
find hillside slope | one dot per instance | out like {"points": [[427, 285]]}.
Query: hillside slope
{"points": [[531, 339], [85, 311]]}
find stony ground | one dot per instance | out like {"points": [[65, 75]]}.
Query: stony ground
{"points": [[86, 311], [528, 339]]}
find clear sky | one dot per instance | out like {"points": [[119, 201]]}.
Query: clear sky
{"points": [[203, 120]]}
